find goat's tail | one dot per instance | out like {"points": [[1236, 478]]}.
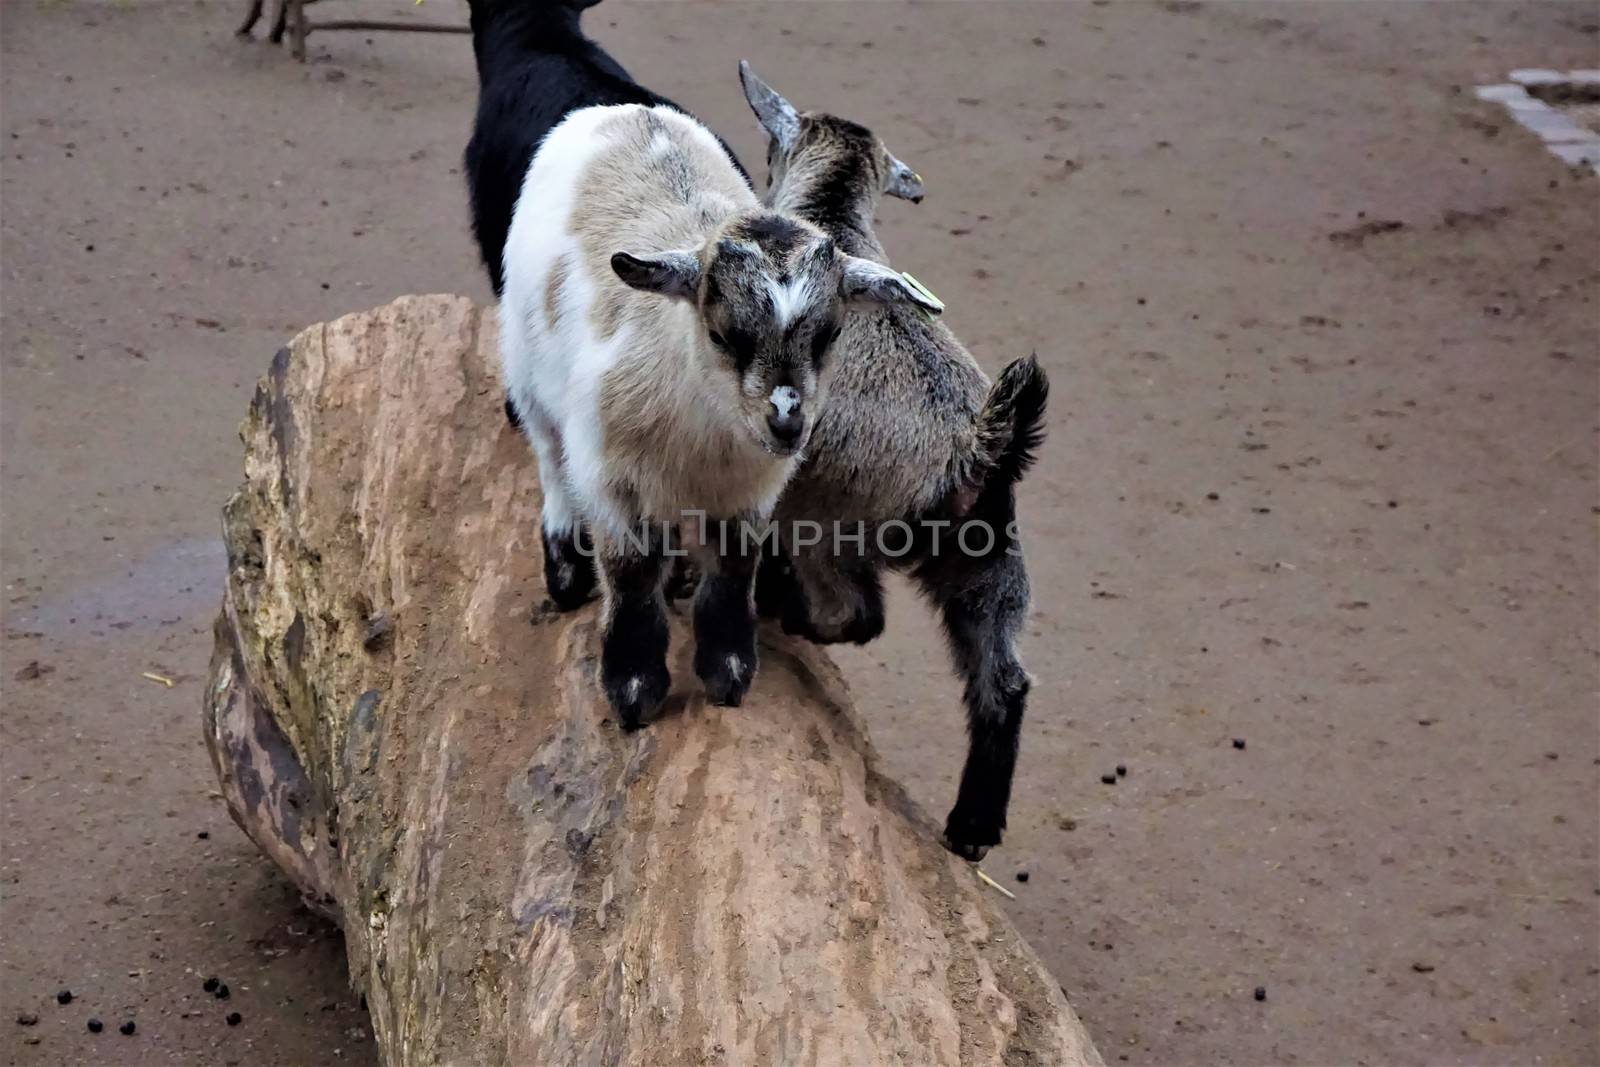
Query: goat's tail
{"points": [[1011, 425]]}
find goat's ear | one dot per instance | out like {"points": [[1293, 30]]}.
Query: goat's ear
{"points": [[903, 181], [668, 273], [867, 282], [776, 115]]}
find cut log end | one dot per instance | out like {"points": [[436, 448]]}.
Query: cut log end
{"points": [[518, 880]]}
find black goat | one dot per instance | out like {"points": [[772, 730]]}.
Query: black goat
{"points": [[534, 67]]}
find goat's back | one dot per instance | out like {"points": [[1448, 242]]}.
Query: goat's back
{"points": [[606, 364], [515, 114], [900, 423], [606, 180], [535, 67]]}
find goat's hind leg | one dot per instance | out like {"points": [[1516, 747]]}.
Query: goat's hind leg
{"points": [[569, 572], [776, 587], [835, 599], [633, 651], [983, 612]]}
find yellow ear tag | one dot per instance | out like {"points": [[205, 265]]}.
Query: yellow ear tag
{"points": [[924, 292]]}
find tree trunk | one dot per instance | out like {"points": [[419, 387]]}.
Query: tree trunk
{"points": [[398, 722]]}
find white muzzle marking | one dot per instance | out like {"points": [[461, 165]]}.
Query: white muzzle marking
{"points": [[785, 398]]}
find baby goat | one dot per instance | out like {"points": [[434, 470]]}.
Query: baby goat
{"points": [[913, 436], [665, 343]]}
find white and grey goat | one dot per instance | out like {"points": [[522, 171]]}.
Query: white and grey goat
{"points": [[665, 342], [917, 447]]}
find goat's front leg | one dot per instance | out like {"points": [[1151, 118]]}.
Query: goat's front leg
{"points": [[725, 617], [984, 611], [633, 651]]}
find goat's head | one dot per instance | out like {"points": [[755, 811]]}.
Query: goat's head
{"points": [[771, 293], [819, 148]]}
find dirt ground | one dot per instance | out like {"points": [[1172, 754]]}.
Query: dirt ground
{"points": [[1314, 482]]}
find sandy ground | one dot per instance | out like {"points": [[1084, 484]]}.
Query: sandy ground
{"points": [[1325, 487]]}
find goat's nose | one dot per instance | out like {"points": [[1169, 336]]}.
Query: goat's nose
{"points": [[785, 415]]}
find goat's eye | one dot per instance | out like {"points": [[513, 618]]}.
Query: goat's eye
{"points": [[823, 339], [718, 340]]}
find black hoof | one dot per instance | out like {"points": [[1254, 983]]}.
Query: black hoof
{"points": [[971, 838], [568, 569], [636, 696], [970, 853], [866, 626], [511, 415], [727, 675]]}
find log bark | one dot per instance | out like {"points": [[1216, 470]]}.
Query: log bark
{"points": [[397, 720]]}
